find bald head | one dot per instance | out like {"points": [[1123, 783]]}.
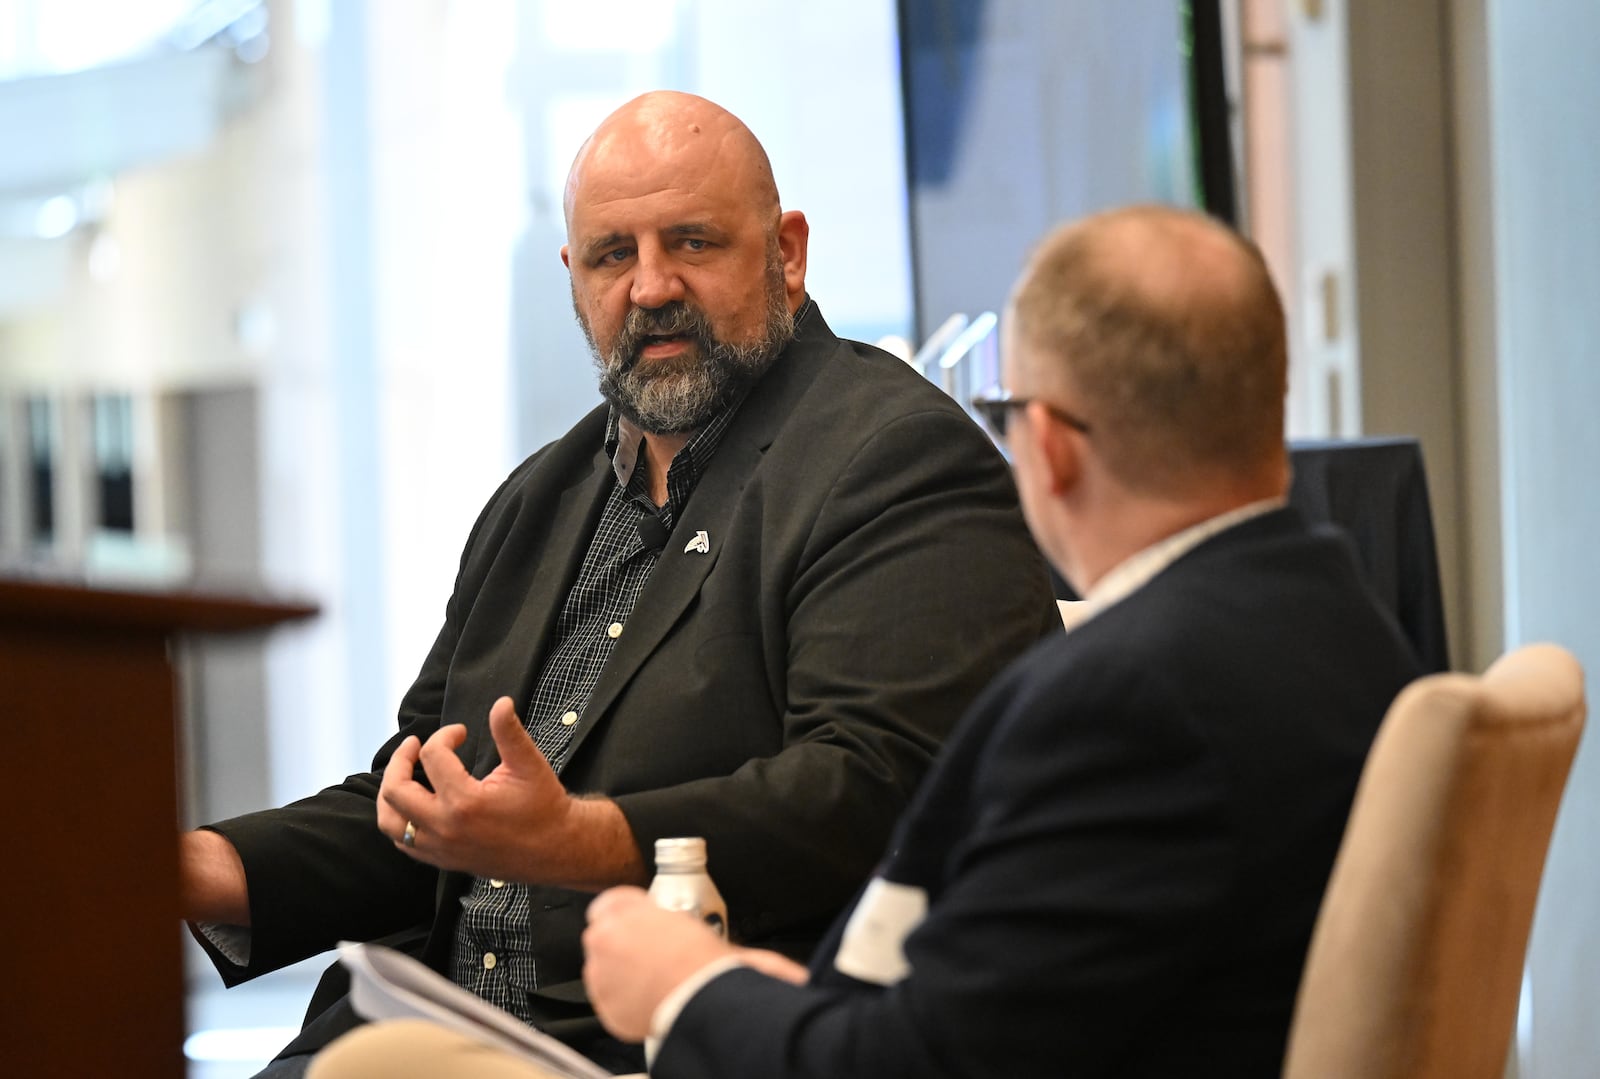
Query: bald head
{"points": [[674, 138], [1162, 327], [685, 272]]}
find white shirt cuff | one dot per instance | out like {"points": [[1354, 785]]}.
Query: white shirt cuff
{"points": [[673, 1003]]}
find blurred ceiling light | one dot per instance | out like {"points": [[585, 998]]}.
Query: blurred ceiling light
{"points": [[105, 257], [636, 26], [311, 20], [59, 36], [56, 217], [234, 20], [55, 37]]}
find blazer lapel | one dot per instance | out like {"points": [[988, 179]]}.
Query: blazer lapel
{"points": [[574, 511], [681, 570]]}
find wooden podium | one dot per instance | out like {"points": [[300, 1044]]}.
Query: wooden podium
{"points": [[89, 906]]}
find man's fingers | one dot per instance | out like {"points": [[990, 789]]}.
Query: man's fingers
{"points": [[775, 966], [397, 774], [512, 739], [454, 815], [402, 760], [438, 755], [615, 900], [400, 797], [397, 782]]}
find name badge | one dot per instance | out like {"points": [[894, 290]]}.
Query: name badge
{"points": [[872, 947]]}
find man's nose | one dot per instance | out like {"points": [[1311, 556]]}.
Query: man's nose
{"points": [[655, 280]]}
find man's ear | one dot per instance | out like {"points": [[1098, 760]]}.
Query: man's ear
{"points": [[794, 233], [1058, 446]]}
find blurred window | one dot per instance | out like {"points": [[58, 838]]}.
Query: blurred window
{"points": [[113, 461], [41, 470]]}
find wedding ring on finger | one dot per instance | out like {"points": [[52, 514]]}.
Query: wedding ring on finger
{"points": [[409, 839]]}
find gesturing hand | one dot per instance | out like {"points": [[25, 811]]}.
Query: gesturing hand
{"points": [[506, 825]]}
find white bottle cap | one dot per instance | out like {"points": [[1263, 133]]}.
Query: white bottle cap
{"points": [[681, 851]]}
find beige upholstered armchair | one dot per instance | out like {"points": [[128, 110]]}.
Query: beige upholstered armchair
{"points": [[1416, 961]]}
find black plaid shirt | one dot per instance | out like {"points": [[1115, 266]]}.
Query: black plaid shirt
{"points": [[494, 944]]}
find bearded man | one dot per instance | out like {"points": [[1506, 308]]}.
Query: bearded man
{"points": [[745, 598]]}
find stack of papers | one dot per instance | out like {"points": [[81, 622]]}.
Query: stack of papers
{"points": [[386, 984]]}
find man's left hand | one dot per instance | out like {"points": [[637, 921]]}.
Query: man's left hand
{"points": [[517, 823], [635, 954]]}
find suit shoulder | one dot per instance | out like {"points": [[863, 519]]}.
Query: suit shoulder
{"points": [[875, 376], [859, 396], [554, 465], [577, 446], [1088, 704]]}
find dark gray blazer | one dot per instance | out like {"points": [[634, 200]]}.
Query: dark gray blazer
{"points": [[782, 695], [1123, 846]]}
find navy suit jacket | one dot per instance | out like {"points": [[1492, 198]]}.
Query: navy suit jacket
{"points": [[1122, 849], [782, 694]]}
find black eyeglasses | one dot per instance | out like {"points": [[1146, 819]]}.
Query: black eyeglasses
{"points": [[995, 407]]}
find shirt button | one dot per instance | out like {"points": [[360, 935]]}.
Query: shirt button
{"points": [[569, 719], [496, 882], [489, 960], [614, 630]]}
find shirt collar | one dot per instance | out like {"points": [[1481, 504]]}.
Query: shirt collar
{"points": [[1136, 571], [623, 442]]}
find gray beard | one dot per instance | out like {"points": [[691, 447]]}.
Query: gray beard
{"points": [[683, 393]]}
